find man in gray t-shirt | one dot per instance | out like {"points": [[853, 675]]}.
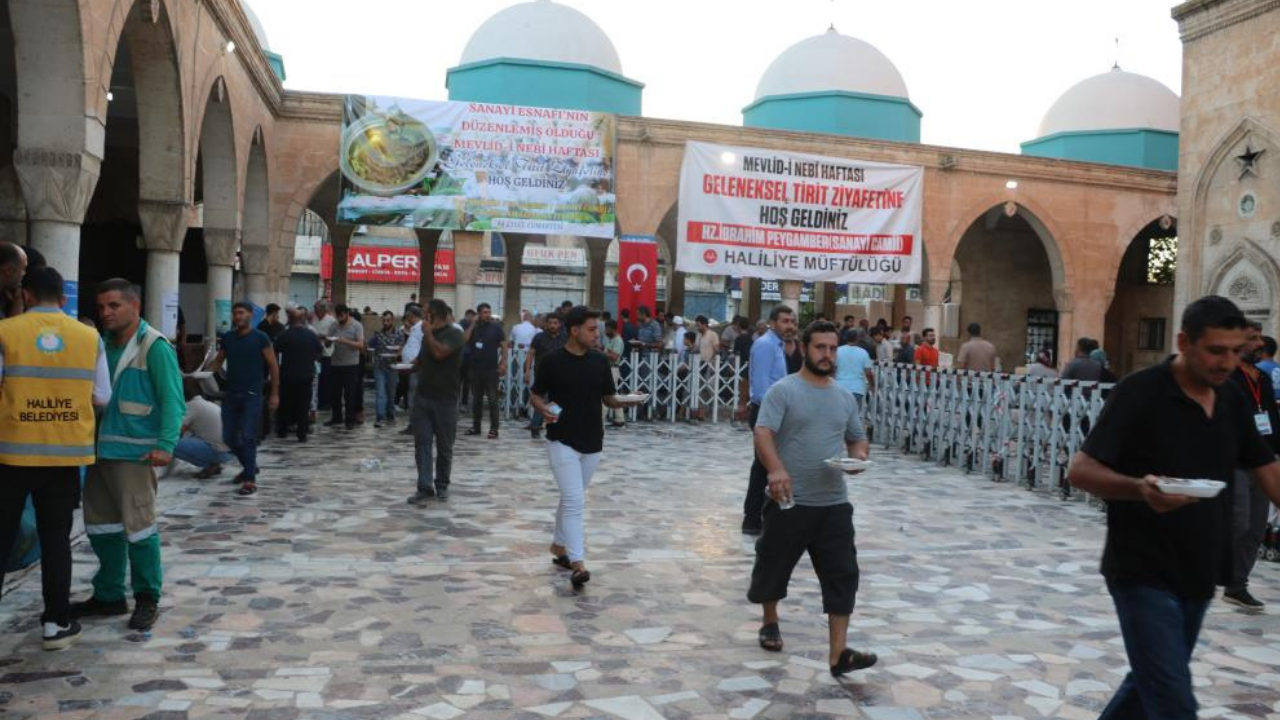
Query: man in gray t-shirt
{"points": [[804, 420], [346, 337]]}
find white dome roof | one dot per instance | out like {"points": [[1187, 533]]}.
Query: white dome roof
{"points": [[256, 24], [543, 30], [1115, 100], [831, 61]]}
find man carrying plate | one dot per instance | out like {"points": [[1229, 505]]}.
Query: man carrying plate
{"points": [[807, 423], [1167, 551]]}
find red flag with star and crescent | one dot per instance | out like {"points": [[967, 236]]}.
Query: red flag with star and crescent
{"points": [[637, 272]]}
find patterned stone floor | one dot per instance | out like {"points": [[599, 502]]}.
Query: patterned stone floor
{"points": [[326, 596]]}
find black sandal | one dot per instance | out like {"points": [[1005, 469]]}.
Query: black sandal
{"points": [[580, 578], [248, 488], [851, 660], [771, 637], [562, 561]]}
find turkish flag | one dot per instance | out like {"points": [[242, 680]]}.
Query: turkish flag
{"points": [[637, 272]]}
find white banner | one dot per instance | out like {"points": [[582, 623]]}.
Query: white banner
{"points": [[751, 212]]}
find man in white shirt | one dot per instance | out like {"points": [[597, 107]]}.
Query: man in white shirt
{"points": [[409, 355], [201, 442], [522, 334], [323, 325]]}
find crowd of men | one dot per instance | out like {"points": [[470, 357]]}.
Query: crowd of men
{"points": [[111, 399]]}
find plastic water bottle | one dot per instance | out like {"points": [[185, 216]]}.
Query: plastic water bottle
{"points": [[554, 409], [785, 504]]}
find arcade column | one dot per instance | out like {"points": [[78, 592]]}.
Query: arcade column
{"points": [[164, 226], [255, 262], [935, 291], [340, 239], [428, 243], [512, 279], [220, 247], [57, 187], [597, 252], [750, 304], [825, 299]]}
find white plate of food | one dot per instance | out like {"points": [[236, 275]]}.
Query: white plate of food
{"points": [[402, 366], [1190, 488], [633, 397], [848, 464]]}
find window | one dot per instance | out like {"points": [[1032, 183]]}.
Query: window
{"points": [[1151, 333], [1042, 333]]}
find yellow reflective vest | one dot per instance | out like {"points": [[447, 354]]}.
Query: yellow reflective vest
{"points": [[46, 394]]}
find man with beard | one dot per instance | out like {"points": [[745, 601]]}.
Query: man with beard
{"points": [[805, 419], [1249, 505], [1165, 551]]}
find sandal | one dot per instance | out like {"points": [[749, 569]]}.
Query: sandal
{"points": [[771, 638], [562, 561], [851, 660], [493, 434], [248, 488], [580, 578], [238, 479]]}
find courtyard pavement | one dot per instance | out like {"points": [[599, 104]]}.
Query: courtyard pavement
{"points": [[326, 596]]}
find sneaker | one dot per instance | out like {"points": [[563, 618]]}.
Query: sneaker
{"points": [[442, 493], [407, 431], [93, 607], [1243, 599], [421, 498], [535, 433], [145, 612], [377, 424], [60, 637], [749, 528]]}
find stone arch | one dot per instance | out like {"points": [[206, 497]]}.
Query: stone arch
{"points": [[1139, 312], [1250, 277], [216, 163], [1046, 228], [153, 57], [258, 259], [1015, 281], [1222, 153]]}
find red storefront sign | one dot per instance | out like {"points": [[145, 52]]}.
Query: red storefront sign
{"points": [[386, 264]]}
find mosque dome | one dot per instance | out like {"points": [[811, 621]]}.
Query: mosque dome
{"points": [[546, 31], [256, 24], [1118, 118], [831, 62], [1115, 100], [833, 83]]}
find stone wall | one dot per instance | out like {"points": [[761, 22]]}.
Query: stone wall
{"points": [[1229, 198]]}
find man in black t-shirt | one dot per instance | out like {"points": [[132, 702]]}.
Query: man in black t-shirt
{"points": [[1249, 505], [299, 349], [568, 389], [486, 348], [1165, 553], [434, 417], [544, 343]]}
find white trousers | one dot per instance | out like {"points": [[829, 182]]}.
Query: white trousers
{"points": [[573, 471]]}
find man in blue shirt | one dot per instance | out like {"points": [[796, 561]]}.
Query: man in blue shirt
{"points": [[768, 365], [250, 357]]}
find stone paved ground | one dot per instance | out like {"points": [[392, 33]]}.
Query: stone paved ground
{"points": [[325, 596]]}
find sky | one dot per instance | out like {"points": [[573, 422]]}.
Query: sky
{"points": [[983, 72]]}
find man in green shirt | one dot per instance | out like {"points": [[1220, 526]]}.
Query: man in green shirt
{"points": [[434, 416], [136, 433], [614, 349]]}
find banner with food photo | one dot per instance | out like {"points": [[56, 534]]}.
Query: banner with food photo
{"points": [[477, 166], [749, 212]]}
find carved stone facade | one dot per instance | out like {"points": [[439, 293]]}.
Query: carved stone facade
{"points": [[1229, 170]]}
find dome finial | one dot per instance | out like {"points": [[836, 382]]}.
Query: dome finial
{"points": [[831, 28], [1116, 64]]}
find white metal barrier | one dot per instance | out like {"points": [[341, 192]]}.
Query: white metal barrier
{"points": [[678, 390], [1005, 427]]}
